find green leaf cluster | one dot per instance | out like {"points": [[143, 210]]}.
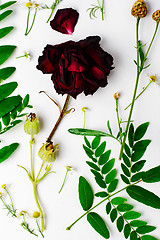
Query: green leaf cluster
{"points": [[11, 107]]}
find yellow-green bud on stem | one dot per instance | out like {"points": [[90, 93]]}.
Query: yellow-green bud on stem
{"points": [[31, 125], [48, 152], [36, 215]]}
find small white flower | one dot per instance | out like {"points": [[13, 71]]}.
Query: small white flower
{"points": [[154, 78]]}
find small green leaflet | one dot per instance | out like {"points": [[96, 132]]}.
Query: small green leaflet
{"points": [[113, 215], [120, 223], [6, 72], [124, 207], [148, 237], [140, 131], [118, 200], [96, 142], [5, 52], [8, 104], [5, 31], [7, 89], [6, 151], [87, 132], [152, 175], [5, 14], [145, 229], [144, 196], [7, 4], [138, 223], [131, 215], [141, 145], [86, 195], [98, 224]]}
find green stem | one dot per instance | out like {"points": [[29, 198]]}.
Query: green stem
{"points": [[134, 94], [21, 56], [10, 198], [139, 94], [40, 170], [102, 10], [50, 15], [154, 35], [38, 205], [34, 17], [63, 181], [118, 119], [31, 156], [29, 11], [62, 114]]}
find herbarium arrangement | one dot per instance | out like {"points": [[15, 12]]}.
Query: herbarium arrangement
{"points": [[79, 67]]}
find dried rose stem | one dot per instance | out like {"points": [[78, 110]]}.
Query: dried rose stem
{"points": [[62, 114]]}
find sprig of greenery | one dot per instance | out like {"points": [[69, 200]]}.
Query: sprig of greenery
{"points": [[102, 167], [94, 8], [25, 225]]}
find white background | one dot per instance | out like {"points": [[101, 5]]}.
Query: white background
{"points": [[118, 38]]}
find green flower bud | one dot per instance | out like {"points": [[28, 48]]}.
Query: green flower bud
{"points": [[31, 125], [48, 152]]}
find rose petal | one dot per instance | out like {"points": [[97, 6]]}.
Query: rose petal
{"points": [[65, 20]]}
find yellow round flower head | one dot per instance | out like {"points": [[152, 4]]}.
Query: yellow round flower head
{"points": [[156, 16], [139, 9], [36, 215]]}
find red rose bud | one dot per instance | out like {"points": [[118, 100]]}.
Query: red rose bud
{"points": [[77, 67], [65, 20]]}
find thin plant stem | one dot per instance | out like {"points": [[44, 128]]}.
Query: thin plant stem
{"points": [[10, 198], [62, 114], [119, 125], [39, 229], [102, 10], [31, 156], [50, 15], [38, 205], [40, 170], [29, 11], [140, 94], [135, 91], [64, 180], [34, 17]]}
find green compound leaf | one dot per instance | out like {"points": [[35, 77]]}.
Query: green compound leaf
{"points": [[138, 223], [5, 52], [98, 224], [118, 200], [7, 89], [100, 149], [108, 207], [108, 166], [110, 176], [144, 196], [92, 165], [124, 207], [7, 4], [5, 31], [148, 237], [113, 215], [138, 166], [141, 145], [113, 185], [5, 14], [145, 229], [96, 142], [6, 72], [131, 215], [87, 132], [85, 194], [104, 157], [8, 104], [152, 175], [7, 151], [101, 194], [127, 230], [120, 223], [140, 131]]}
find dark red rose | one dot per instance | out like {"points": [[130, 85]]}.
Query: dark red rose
{"points": [[65, 20], [77, 67]]}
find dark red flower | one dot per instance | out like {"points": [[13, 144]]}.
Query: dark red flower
{"points": [[77, 67], [65, 20]]}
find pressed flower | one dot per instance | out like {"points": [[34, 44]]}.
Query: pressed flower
{"points": [[48, 152], [65, 20], [77, 67], [31, 125], [156, 16], [139, 9]]}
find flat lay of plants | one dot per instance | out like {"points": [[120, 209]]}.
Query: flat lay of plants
{"points": [[80, 68]]}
